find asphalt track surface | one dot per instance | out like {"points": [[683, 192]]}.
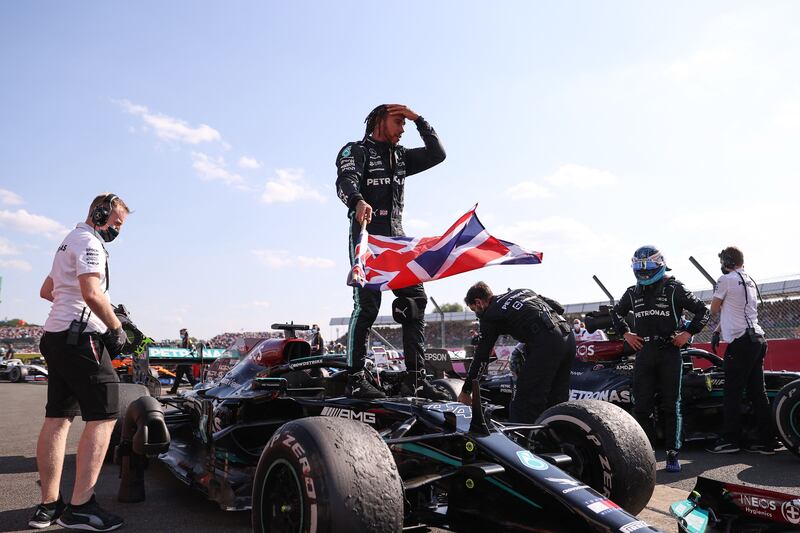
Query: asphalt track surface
{"points": [[171, 507]]}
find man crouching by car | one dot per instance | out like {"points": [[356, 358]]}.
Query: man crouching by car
{"points": [[543, 378], [81, 381]]}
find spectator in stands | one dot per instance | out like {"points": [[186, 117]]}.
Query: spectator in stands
{"points": [[658, 301], [183, 370], [735, 319], [317, 342]]}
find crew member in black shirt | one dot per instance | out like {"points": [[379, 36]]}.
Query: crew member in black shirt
{"points": [[543, 378], [658, 302]]}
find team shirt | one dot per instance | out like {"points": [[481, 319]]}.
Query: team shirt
{"points": [[740, 307], [81, 252]]}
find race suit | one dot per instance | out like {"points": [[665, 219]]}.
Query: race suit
{"points": [[543, 378], [657, 312], [375, 172]]}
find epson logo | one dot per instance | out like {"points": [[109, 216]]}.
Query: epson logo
{"points": [[337, 412], [435, 356]]}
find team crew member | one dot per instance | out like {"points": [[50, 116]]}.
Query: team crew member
{"points": [[371, 175], [734, 305], [658, 302], [317, 342], [81, 379], [542, 380], [183, 370]]}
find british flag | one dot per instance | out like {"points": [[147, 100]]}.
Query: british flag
{"points": [[386, 263]]}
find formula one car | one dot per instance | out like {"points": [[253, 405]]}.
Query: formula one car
{"points": [[719, 507], [15, 371], [603, 370], [274, 433]]}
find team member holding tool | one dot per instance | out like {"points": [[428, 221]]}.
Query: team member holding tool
{"points": [[81, 379]]}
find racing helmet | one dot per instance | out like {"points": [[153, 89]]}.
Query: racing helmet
{"points": [[648, 265]]}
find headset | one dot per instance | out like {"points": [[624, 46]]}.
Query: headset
{"points": [[727, 260], [102, 211]]}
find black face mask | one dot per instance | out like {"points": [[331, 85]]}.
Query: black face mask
{"points": [[108, 234]]}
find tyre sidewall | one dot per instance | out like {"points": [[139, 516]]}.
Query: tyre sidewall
{"points": [[785, 410]]}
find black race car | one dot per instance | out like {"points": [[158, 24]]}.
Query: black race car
{"points": [[273, 432], [603, 370]]}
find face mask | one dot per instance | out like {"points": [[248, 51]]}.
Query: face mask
{"points": [[576, 327], [314, 331], [108, 234]]}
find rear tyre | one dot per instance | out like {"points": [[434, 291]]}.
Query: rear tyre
{"points": [[322, 474], [451, 387], [128, 393], [786, 415], [610, 451]]}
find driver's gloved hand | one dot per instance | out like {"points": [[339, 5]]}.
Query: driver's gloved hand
{"points": [[114, 340], [715, 341]]}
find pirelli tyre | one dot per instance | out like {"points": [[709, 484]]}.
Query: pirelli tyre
{"points": [[327, 475], [786, 414], [610, 451], [17, 374], [450, 386], [127, 394]]}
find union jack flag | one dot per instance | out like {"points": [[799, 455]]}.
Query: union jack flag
{"points": [[386, 263]]}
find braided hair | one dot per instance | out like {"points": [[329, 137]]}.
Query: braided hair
{"points": [[374, 116]]}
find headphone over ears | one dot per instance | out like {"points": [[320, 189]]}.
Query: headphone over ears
{"points": [[727, 260], [103, 210]]}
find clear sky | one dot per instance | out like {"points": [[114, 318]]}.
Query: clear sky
{"points": [[583, 129]]}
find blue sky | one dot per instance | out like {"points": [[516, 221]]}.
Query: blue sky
{"points": [[583, 129]]}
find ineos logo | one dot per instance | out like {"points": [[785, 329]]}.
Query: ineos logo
{"points": [[586, 349]]}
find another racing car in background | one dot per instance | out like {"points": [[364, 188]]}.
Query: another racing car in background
{"points": [[273, 432], [17, 371]]}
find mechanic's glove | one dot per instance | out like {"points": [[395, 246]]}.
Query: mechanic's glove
{"points": [[715, 341], [114, 340]]}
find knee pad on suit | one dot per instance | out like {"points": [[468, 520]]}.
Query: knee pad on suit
{"points": [[405, 310]]}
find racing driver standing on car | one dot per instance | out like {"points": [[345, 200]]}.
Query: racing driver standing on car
{"points": [[658, 302], [371, 175]]}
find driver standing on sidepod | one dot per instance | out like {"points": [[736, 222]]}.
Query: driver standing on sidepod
{"points": [[658, 302], [370, 179]]}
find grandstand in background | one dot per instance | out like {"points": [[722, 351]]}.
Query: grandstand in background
{"points": [[778, 314]]}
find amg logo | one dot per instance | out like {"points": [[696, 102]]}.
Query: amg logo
{"points": [[605, 395], [633, 526], [338, 412], [652, 312]]}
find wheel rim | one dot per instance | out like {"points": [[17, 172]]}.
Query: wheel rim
{"points": [[582, 452], [281, 499]]}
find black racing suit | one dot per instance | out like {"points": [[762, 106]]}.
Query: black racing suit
{"points": [[183, 370], [657, 312], [375, 172], [543, 379]]}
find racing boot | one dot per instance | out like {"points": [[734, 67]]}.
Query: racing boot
{"points": [[360, 386], [417, 384]]}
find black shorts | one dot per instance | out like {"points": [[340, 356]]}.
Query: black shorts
{"points": [[81, 381]]}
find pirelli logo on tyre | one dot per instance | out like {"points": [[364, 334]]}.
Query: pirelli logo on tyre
{"points": [[340, 412]]}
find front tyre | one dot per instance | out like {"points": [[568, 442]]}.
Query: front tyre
{"points": [[610, 451], [326, 475], [786, 415]]}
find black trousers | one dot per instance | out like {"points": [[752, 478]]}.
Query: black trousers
{"points": [[366, 304], [543, 380], [658, 368], [744, 373], [180, 371]]}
